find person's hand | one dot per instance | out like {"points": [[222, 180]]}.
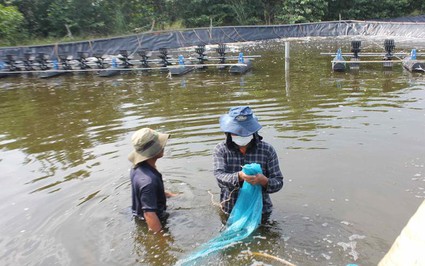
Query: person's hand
{"points": [[170, 194], [254, 179]]}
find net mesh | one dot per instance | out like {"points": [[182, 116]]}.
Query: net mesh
{"points": [[243, 220]]}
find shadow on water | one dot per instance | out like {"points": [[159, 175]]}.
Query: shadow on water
{"points": [[350, 146]]}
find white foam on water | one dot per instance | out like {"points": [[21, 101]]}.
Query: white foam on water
{"points": [[346, 223], [355, 236], [352, 246], [326, 256]]}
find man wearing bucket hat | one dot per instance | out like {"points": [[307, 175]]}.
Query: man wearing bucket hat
{"points": [[148, 195], [243, 145]]}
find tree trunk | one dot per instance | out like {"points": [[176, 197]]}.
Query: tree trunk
{"points": [[68, 30], [153, 25]]}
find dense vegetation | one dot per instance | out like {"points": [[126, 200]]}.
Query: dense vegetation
{"points": [[26, 21]]}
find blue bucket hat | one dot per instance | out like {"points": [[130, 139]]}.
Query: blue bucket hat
{"points": [[240, 121]]}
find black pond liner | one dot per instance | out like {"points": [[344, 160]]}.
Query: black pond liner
{"points": [[152, 41]]}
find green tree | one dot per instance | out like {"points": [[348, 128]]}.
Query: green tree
{"points": [[300, 11], [35, 16], [44, 18], [60, 17], [417, 7], [365, 9], [270, 9], [246, 11], [136, 15], [89, 18], [202, 12], [11, 21]]}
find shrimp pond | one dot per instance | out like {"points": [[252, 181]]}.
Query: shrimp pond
{"points": [[350, 145]]}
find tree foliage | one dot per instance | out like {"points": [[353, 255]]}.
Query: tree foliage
{"points": [[10, 25], [299, 11], [365, 9], [67, 18]]}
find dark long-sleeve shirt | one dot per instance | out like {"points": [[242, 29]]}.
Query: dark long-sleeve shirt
{"points": [[227, 163]]}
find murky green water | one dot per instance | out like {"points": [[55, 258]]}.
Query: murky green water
{"points": [[350, 145]]}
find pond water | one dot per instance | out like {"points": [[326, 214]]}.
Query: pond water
{"points": [[350, 146]]}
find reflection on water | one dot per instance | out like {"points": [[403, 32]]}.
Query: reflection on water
{"points": [[153, 249], [350, 146]]}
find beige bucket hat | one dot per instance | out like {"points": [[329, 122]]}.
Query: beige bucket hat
{"points": [[147, 143]]}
